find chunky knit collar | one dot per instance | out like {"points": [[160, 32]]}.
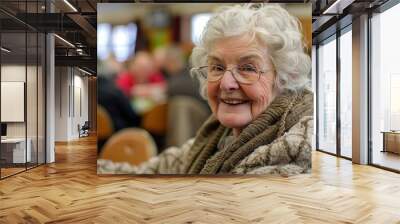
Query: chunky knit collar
{"points": [[283, 113]]}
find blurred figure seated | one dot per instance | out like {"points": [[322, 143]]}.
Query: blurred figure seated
{"points": [[142, 82], [185, 117], [83, 130], [187, 110], [115, 103], [171, 61]]}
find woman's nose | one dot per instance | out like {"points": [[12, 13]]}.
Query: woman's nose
{"points": [[228, 82]]}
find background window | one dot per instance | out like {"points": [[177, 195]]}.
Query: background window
{"points": [[327, 96], [385, 85], [198, 23], [346, 94]]}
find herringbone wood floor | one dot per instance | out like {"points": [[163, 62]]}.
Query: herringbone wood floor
{"points": [[69, 191]]}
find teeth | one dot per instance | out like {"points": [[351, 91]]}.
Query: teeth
{"points": [[233, 101]]}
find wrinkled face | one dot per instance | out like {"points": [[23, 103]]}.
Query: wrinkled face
{"points": [[234, 104]]}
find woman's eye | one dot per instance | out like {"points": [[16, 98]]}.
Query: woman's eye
{"points": [[217, 68], [247, 68]]}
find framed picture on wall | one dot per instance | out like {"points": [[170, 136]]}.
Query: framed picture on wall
{"points": [[12, 101]]}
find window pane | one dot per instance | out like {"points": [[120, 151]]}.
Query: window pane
{"points": [[346, 94], [14, 150], [385, 88], [314, 88], [31, 97], [41, 99], [327, 97]]}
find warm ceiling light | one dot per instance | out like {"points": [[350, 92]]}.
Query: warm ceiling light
{"points": [[5, 49], [84, 71], [70, 5], [79, 51], [65, 41], [338, 6]]}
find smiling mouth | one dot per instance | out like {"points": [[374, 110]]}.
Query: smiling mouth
{"points": [[234, 102]]}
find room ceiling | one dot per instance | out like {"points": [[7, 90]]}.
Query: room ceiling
{"points": [[77, 27], [327, 13]]}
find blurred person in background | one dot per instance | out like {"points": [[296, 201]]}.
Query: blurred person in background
{"points": [[160, 57], [142, 82], [113, 100], [145, 86], [187, 110], [173, 65], [253, 70]]}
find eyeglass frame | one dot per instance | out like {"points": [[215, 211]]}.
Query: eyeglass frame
{"points": [[259, 72]]}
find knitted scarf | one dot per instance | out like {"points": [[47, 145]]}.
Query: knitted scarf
{"points": [[284, 112]]}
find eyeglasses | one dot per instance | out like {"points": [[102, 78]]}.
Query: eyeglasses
{"points": [[244, 74]]}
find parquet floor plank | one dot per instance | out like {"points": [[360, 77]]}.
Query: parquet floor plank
{"points": [[69, 191]]}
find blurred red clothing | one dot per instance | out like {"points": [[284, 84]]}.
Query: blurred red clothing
{"points": [[126, 81]]}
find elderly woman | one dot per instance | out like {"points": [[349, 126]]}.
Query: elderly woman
{"points": [[254, 73]]}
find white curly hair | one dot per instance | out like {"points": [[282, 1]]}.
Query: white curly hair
{"points": [[270, 24]]}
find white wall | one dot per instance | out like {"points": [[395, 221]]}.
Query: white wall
{"points": [[61, 103], [13, 72], [71, 93]]}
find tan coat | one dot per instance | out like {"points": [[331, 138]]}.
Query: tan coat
{"points": [[287, 155]]}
